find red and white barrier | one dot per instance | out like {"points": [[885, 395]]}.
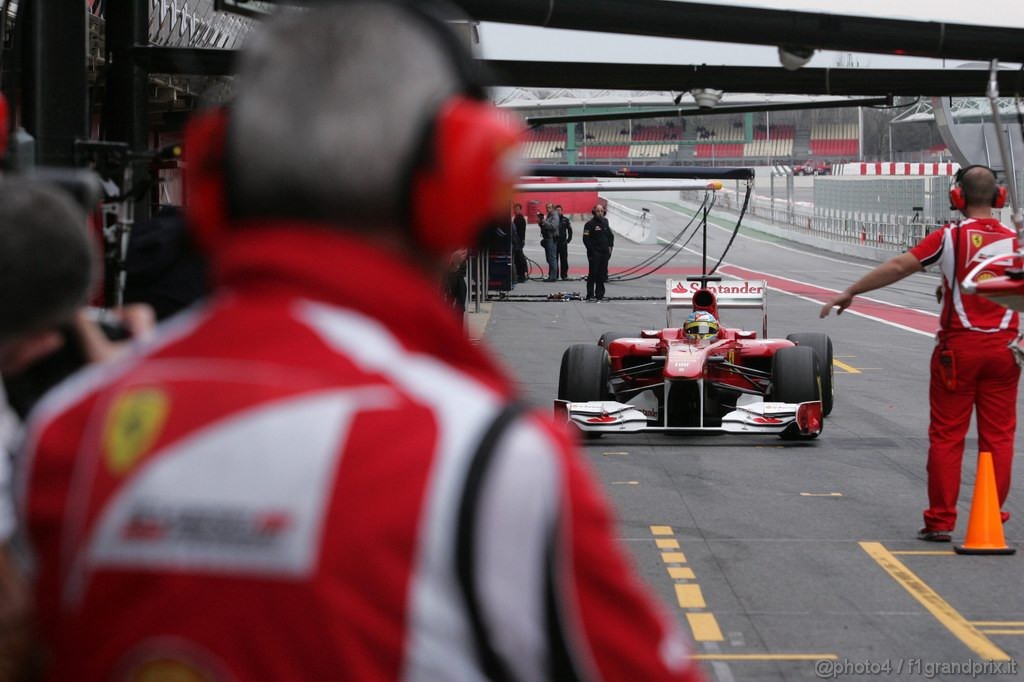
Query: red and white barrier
{"points": [[898, 168]]}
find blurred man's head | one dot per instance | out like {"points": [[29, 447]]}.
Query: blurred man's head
{"points": [[46, 266], [518, 208], [337, 115]]}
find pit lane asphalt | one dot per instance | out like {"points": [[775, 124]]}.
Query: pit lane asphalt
{"points": [[772, 531]]}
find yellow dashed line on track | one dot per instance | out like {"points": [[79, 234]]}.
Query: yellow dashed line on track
{"points": [[689, 596], [1002, 632], [705, 627], [703, 624], [821, 494], [999, 623], [961, 628]]}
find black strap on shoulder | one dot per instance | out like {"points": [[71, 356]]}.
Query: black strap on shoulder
{"points": [[560, 662], [465, 541]]}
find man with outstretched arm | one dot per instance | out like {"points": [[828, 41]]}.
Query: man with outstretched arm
{"points": [[971, 367]]}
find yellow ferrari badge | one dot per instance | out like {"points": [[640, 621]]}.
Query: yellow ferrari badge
{"points": [[133, 424], [977, 240]]}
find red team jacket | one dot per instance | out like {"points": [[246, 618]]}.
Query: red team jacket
{"points": [[272, 490], [957, 248]]}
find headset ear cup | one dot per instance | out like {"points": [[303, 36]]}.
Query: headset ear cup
{"points": [[999, 200], [472, 171], [206, 205], [956, 198]]}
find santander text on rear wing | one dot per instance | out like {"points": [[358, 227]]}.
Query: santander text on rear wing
{"points": [[734, 294]]}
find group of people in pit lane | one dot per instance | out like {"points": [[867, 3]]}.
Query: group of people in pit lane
{"points": [[555, 236], [305, 475]]}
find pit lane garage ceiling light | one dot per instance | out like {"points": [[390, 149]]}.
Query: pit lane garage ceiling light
{"points": [[706, 98], [792, 57]]}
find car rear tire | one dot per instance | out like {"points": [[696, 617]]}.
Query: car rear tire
{"points": [[795, 380], [822, 345], [584, 374]]}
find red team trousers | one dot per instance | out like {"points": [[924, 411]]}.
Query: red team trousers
{"points": [[984, 375]]}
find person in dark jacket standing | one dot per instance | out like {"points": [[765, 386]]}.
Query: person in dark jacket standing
{"points": [[564, 237], [599, 240], [518, 257], [549, 240]]}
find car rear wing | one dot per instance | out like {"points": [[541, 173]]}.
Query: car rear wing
{"points": [[733, 294]]}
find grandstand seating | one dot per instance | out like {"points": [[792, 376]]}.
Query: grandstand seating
{"points": [[778, 132], [542, 150], [704, 138], [655, 133], [546, 142], [719, 131], [605, 133], [616, 151], [834, 139], [652, 151], [720, 151], [772, 147]]}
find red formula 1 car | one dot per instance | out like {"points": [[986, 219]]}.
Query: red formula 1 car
{"points": [[729, 381]]}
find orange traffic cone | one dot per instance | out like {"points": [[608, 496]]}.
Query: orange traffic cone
{"points": [[985, 527]]}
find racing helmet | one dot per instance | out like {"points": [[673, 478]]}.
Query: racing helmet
{"points": [[700, 325]]}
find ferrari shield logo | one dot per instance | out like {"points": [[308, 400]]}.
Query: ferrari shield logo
{"points": [[133, 424], [976, 240]]}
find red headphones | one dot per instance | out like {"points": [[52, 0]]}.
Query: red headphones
{"points": [[468, 160], [956, 192], [4, 126], [473, 165]]}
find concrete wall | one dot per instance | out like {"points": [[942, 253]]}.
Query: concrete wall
{"points": [[638, 227]]}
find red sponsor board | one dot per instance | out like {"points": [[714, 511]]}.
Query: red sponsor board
{"points": [[572, 202]]}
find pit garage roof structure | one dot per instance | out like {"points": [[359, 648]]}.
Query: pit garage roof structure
{"points": [[52, 45], [524, 99]]}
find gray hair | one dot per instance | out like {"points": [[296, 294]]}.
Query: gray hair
{"points": [[332, 108], [46, 257]]}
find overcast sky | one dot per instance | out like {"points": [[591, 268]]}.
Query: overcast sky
{"points": [[507, 41]]}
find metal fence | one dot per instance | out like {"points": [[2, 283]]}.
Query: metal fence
{"points": [[891, 232], [892, 213]]}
